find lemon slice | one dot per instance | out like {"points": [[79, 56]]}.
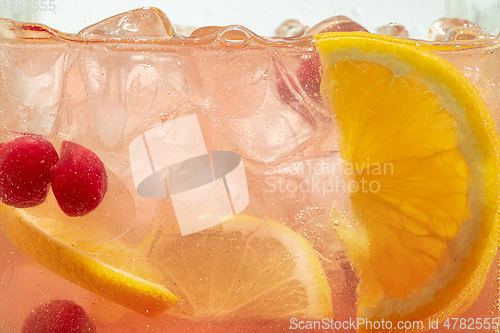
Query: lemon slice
{"points": [[86, 252], [246, 268], [421, 160]]}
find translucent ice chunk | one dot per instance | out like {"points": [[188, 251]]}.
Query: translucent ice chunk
{"points": [[204, 31], [393, 29], [316, 226], [184, 31], [272, 133], [32, 86], [335, 24], [480, 66], [235, 37], [291, 28], [468, 34], [450, 29], [143, 89], [292, 186], [108, 89], [113, 218], [301, 86], [147, 22], [261, 144], [233, 75]]}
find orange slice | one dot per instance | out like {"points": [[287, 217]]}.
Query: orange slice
{"points": [[421, 159]]}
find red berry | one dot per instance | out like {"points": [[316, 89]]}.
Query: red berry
{"points": [[59, 316], [79, 180], [25, 164]]}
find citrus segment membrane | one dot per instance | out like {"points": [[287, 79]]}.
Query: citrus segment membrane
{"points": [[424, 234]]}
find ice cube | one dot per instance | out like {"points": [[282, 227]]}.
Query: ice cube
{"points": [[32, 85], [316, 225], [291, 28], [479, 65], [144, 88], [492, 84], [468, 34], [335, 24], [453, 29], [145, 22], [272, 133], [265, 136], [295, 185], [285, 121], [204, 31], [184, 31], [113, 218], [233, 75], [393, 29]]}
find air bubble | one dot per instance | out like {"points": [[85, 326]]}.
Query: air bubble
{"points": [[234, 37]]}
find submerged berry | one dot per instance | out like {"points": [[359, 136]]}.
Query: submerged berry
{"points": [[58, 316], [25, 164], [308, 79], [79, 180], [309, 76]]}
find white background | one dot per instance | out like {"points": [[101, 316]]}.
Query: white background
{"points": [[264, 16]]}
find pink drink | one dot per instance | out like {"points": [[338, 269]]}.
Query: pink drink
{"points": [[146, 102]]}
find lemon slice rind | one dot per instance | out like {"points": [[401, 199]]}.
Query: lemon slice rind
{"points": [[83, 269]]}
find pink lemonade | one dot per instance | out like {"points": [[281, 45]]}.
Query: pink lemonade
{"points": [[196, 130]]}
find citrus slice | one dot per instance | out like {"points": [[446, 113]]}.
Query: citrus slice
{"points": [[245, 268], [86, 252], [420, 155]]}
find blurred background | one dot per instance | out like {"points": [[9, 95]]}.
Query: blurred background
{"points": [[260, 16]]}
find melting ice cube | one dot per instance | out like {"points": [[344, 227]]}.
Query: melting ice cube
{"points": [[393, 29], [32, 86], [146, 22], [453, 29], [291, 28], [335, 24]]}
